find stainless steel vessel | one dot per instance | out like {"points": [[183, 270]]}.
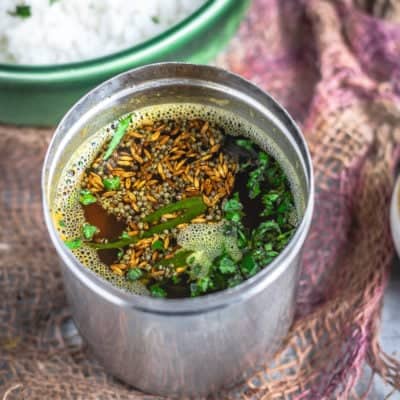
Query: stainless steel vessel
{"points": [[186, 346]]}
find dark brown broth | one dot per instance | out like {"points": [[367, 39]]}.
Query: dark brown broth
{"points": [[252, 207], [109, 228]]}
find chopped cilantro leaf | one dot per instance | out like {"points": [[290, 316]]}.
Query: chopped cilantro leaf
{"points": [[233, 204], [22, 11], [112, 183], [176, 279], [227, 265], [158, 245], [157, 291], [248, 265], [134, 274], [124, 235], [86, 197], [73, 244], [245, 143], [89, 231]]}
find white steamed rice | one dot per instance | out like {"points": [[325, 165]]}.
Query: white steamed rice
{"points": [[65, 31]]}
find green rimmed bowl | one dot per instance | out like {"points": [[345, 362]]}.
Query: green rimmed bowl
{"points": [[40, 95]]}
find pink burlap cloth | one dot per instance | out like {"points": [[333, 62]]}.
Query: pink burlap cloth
{"points": [[336, 66]]}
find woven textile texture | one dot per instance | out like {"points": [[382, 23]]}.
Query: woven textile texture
{"points": [[336, 66]]}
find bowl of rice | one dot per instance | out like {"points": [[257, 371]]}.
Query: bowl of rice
{"points": [[54, 51]]}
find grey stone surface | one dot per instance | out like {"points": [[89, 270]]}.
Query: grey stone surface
{"points": [[390, 332]]}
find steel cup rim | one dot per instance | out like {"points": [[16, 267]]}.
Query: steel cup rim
{"points": [[210, 302]]}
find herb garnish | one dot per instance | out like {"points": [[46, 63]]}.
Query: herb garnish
{"points": [[224, 267], [113, 183], [73, 243], [233, 209], [227, 265], [22, 11], [190, 208], [157, 291], [260, 246], [158, 245], [125, 236], [86, 197], [245, 143], [134, 274], [257, 176], [118, 135], [89, 231]]}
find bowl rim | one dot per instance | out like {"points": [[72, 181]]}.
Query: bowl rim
{"points": [[395, 214], [210, 302], [106, 64]]}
